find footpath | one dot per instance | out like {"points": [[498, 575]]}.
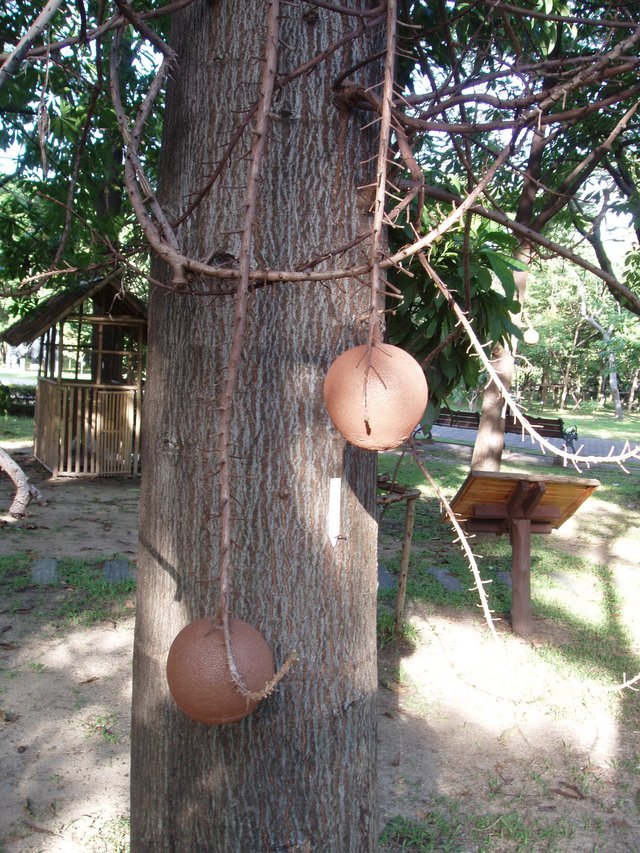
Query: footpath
{"points": [[586, 445]]}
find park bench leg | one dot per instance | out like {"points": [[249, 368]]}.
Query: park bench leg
{"points": [[521, 618]]}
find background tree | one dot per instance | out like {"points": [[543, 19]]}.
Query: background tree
{"points": [[565, 370]]}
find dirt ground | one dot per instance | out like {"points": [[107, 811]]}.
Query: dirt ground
{"points": [[467, 728]]}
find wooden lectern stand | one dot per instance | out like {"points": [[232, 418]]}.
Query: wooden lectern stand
{"points": [[519, 504]]}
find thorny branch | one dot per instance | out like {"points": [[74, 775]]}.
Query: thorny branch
{"points": [[114, 23], [160, 232], [13, 61], [464, 544], [237, 342], [628, 452]]}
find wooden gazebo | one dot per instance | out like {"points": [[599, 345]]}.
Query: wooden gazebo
{"points": [[91, 369]]}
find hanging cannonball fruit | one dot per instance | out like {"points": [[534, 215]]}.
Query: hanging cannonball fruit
{"points": [[198, 670], [376, 396]]}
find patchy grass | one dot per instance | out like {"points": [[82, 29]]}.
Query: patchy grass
{"points": [[89, 597], [595, 421], [439, 830], [578, 596], [14, 428], [445, 828], [82, 596], [409, 634]]}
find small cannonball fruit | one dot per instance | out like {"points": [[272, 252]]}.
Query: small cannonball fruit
{"points": [[376, 400], [198, 670]]}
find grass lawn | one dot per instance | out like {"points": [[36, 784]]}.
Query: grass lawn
{"points": [[14, 429], [561, 577], [586, 640], [596, 422]]}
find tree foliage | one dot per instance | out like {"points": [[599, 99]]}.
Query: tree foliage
{"points": [[63, 206], [554, 83]]}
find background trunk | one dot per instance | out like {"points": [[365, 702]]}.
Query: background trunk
{"points": [[613, 384], [487, 451], [633, 390], [299, 774], [607, 335], [566, 379]]}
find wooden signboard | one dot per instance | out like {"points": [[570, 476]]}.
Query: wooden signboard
{"points": [[519, 504]]}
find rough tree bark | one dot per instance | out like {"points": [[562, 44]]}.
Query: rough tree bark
{"points": [[298, 774], [612, 361], [489, 444]]}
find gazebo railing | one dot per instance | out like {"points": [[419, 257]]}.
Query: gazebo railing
{"points": [[85, 429]]}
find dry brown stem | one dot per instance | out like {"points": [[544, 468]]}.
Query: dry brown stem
{"points": [[259, 138], [375, 245]]}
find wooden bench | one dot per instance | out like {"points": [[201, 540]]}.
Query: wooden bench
{"points": [[519, 505], [17, 399], [546, 427], [459, 420]]}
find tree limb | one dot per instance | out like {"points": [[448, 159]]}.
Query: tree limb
{"points": [[25, 491], [620, 292], [17, 55]]}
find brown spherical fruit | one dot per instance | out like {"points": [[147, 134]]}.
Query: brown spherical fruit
{"points": [[198, 670], [375, 403]]}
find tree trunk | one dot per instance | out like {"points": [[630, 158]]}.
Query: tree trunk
{"points": [[613, 384], [607, 335], [602, 391], [635, 380], [487, 451], [567, 371], [299, 773], [544, 388]]}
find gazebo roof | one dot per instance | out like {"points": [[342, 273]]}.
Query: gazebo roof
{"points": [[34, 324]]}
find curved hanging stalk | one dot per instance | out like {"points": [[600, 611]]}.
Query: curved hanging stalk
{"points": [[237, 342], [375, 249], [376, 304], [464, 544]]}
